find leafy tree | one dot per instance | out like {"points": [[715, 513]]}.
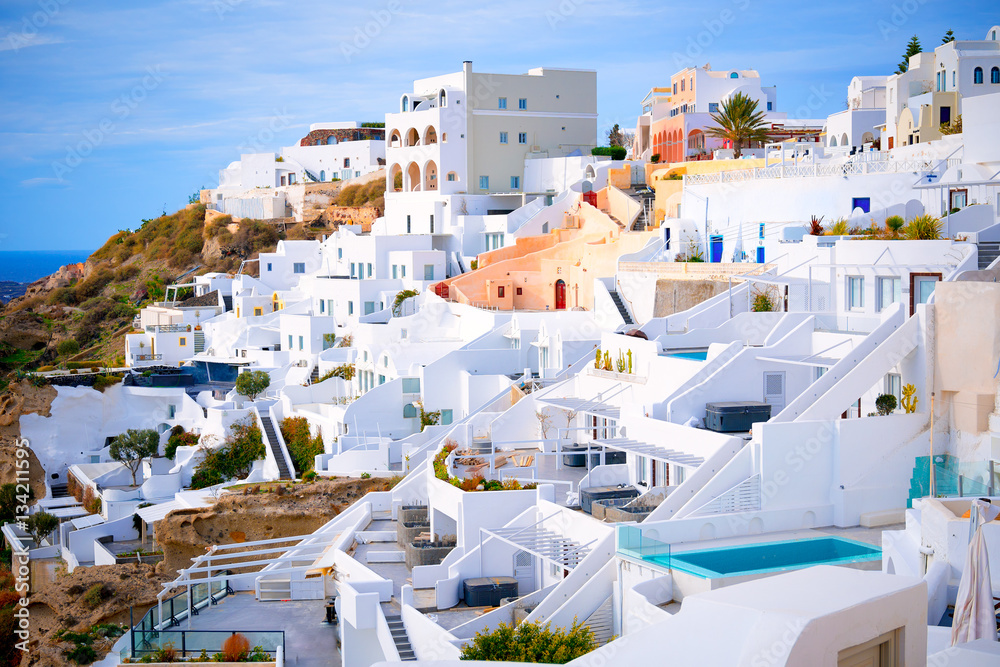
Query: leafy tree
{"points": [[948, 37], [912, 49], [954, 127], [234, 460], [131, 447], [253, 383], [531, 642], [9, 501], [302, 445], [615, 136], [40, 525], [885, 403], [740, 122]]}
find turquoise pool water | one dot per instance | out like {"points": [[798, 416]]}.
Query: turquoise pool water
{"points": [[769, 557], [696, 355]]}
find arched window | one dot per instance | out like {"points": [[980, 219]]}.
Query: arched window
{"points": [[833, 141], [734, 75], [977, 75], [331, 140], [322, 174], [406, 104], [442, 98], [995, 75]]}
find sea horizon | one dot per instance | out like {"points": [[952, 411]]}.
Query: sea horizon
{"points": [[27, 266]]}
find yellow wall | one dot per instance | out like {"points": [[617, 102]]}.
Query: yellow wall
{"points": [[668, 191]]}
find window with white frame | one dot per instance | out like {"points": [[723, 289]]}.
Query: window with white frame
{"points": [[522, 137], [855, 292], [503, 137], [888, 291], [894, 386], [515, 182], [484, 182], [299, 267], [522, 104], [502, 103]]}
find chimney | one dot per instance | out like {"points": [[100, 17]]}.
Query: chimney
{"points": [[467, 66]]}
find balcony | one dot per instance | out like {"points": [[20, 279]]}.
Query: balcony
{"points": [[146, 357], [168, 328]]}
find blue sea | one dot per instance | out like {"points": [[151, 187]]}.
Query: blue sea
{"points": [[29, 265]]}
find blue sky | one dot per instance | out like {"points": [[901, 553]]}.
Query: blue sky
{"points": [[112, 114]]}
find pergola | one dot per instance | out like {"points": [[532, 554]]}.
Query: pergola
{"points": [[657, 452], [540, 541]]}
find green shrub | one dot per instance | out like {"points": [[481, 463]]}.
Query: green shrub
{"points": [[126, 272], [615, 152], [178, 438], [67, 348], [885, 404], [893, 224], [82, 654], [93, 285], [234, 460], [923, 228], [95, 595], [302, 446], [531, 642]]}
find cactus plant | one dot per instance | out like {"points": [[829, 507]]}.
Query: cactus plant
{"points": [[607, 360], [620, 363], [597, 360], [630, 362], [910, 399]]}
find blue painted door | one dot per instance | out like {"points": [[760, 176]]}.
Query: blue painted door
{"points": [[760, 254], [715, 242]]}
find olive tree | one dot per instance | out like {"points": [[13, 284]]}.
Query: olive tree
{"points": [[40, 525], [131, 447]]}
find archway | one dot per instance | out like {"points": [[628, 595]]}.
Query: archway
{"points": [[331, 140], [412, 138], [430, 176], [395, 141], [867, 138], [696, 140], [322, 174], [589, 172], [412, 180], [844, 140], [394, 183], [430, 136], [833, 142], [560, 295]]}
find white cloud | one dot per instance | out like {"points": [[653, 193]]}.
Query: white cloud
{"points": [[44, 182], [15, 41]]}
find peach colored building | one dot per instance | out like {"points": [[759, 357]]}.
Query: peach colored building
{"points": [[555, 271]]}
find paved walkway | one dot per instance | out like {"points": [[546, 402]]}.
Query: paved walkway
{"points": [[309, 642]]}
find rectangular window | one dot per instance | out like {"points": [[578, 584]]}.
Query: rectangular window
{"points": [[502, 103], [408, 225], [402, 270], [484, 182], [500, 292], [183, 341], [381, 379], [369, 307], [770, 106], [451, 176], [522, 104], [269, 266], [322, 306], [432, 223], [350, 307], [411, 385], [369, 270], [302, 344], [395, 271], [515, 182], [855, 293], [428, 272], [340, 253], [522, 137], [446, 417], [353, 270], [713, 107], [519, 291], [258, 312], [299, 267], [290, 346], [894, 386], [347, 162], [888, 292], [503, 137]]}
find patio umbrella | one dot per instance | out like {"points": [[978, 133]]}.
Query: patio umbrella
{"points": [[975, 617]]}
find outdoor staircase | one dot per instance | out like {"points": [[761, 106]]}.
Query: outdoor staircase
{"points": [[314, 375], [647, 199], [988, 252], [601, 622], [622, 310], [618, 222], [945, 484], [271, 440], [199, 341], [399, 638], [59, 490]]}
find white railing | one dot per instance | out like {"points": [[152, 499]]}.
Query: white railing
{"points": [[744, 497], [800, 171]]}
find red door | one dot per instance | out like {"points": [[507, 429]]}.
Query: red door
{"points": [[560, 295]]}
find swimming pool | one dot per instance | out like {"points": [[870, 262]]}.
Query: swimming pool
{"points": [[693, 355], [766, 557]]}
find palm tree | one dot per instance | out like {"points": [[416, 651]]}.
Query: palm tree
{"points": [[740, 122]]}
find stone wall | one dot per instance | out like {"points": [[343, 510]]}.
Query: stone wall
{"points": [[676, 295], [320, 137]]}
